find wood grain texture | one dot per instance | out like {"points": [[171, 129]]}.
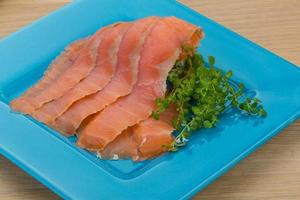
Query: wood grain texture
{"points": [[272, 172]]}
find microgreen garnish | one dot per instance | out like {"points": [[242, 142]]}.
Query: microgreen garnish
{"points": [[201, 93]]}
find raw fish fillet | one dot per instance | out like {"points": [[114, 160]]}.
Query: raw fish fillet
{"points": [[80, 68], [121, 84], [144, 140], [55, 69], [95, 81], [162, 48]]}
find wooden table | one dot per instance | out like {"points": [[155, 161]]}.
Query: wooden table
{"points": [[273, 172]]}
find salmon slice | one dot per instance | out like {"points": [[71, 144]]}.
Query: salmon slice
{"points": [[85, 62], [95, 81], [123, 147], [120, 85], [144, 140], [153, 135], [57, 67], [162, 48]]}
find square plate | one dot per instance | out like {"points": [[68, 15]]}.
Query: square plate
{"points": [[76, 174]]}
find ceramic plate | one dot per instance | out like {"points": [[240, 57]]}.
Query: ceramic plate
{"points": [[73, 173]]}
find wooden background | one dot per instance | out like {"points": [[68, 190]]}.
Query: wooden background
{"points": [[273, 172]]}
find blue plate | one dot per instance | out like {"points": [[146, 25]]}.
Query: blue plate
{"points": [[76, 174]]}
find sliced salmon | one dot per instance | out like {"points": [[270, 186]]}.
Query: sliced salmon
{"points": [[153, 135], [161, 49], [95, 81], [85, 62], [121, 84], [57, 67], [144, 140], [123, 147]]}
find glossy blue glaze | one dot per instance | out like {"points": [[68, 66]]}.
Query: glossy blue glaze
{"points": [[76, 174]]}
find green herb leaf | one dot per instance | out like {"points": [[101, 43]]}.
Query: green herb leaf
{"points": [[229, 74], [211, 60], [201, 93]]}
